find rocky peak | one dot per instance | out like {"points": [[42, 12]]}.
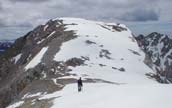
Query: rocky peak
{"points": [[21, 53]]}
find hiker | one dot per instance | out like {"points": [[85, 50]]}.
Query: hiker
{"points": [[80, 84]]}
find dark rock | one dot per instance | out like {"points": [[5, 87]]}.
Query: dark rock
{"points": [[105, 53], [119, 28], [114, 68], [134, 52], [74, 62], [121, 69], [90, 42], [102, 65]]}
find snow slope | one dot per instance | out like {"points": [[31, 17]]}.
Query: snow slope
{"points": [[113, 96], [135, 89], [115, 47]]}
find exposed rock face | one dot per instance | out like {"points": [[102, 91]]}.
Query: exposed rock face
{"points": [[14, 79], [158, 49]]}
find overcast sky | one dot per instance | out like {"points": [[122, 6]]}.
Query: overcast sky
{"points": [[143, 16]]}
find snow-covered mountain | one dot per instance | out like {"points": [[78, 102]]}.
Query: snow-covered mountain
{"points": [[43, 67], [158, 49], [5, 44]]}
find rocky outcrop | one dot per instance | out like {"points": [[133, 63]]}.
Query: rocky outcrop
{"points": [[15, 80], [158, 49]]}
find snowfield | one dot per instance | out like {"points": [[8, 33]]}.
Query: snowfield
{"points": [[114, 96], [111, 56], [135, 89], [101, 95], [116, 48], [37, 59]]}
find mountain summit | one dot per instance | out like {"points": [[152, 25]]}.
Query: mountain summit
{"points": [[43, 66]]}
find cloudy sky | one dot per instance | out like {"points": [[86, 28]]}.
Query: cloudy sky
{"points": [[142, 16]]}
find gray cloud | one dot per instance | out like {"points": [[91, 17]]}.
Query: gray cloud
{"points": [[1, 7], [2, 23], [141, 15], [113, 10], [6, 25], [35, 1], [30, 13], [107, 10]]}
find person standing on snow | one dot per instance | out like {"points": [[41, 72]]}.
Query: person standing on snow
{"points": [[80, 85]]}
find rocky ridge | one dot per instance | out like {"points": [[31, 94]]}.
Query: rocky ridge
{"points": [[158, 50]]}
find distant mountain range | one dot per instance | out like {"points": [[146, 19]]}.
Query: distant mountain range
{"points": [[5, 44]]}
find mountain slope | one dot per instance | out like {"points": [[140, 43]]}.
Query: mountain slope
{"points": [[158, 50], [106, 51], [48, 60]]}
